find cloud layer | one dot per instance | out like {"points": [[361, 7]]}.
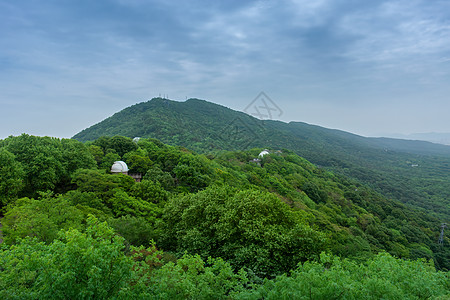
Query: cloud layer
{"points": [[368, 67]]}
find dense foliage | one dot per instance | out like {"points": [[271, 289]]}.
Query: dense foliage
{"points": [[250, 229], [95, 265], [32, 164], [413, 172], [226, 225]]}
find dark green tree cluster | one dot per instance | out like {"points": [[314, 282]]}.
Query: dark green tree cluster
{"points": [[33, 164]]}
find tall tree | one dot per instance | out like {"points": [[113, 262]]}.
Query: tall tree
{"points": [[11, 177]]}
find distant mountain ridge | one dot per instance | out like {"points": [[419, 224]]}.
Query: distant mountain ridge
{"points": [[433, 137], [384, 163]]}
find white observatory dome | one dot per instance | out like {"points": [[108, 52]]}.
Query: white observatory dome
{"points": [[264, 152], [119, 167]]}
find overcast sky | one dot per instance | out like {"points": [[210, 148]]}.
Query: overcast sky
{"points": [[368, 67]]}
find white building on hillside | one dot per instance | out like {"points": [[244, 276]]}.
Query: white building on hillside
{"points": [[119, 167], [264, 152]]}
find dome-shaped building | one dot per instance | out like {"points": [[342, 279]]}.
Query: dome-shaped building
{"points": [[264, 152], [119, 167]]}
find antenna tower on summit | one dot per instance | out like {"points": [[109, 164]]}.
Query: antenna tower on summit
{"points": [[441, 236]]}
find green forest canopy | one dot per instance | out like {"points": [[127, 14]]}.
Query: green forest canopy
{"points": [[203, 226]]}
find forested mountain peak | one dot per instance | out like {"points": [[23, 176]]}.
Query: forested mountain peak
{"points": [[204, 114]]}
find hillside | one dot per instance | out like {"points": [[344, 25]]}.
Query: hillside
{"points": [[216, 226], [414, 172], [215, 205]]}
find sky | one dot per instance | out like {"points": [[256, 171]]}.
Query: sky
{"points": [[368, 67]]}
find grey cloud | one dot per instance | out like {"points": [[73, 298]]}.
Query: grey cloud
{"points": [[340, 55]]}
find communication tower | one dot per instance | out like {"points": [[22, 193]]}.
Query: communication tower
{"points": [[441, 236]]}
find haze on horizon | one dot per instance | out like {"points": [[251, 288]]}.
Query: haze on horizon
{"points": [[368, 67]]}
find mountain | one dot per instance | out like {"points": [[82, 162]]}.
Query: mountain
{"points": [[414, 172], [434, 137]]}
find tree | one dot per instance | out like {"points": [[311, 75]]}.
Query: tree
{"points": [[382, 277], [77, 265], [119, 144], [76, 155], [88, 202], [149, 191], [97, 153], [249, 228], [48, 162], [193, 172], [191, 277], [100, 183], [155, 174], [108, 160], [11, 177], [123, 204], [136, 230], [41, 218], [138, 161]]}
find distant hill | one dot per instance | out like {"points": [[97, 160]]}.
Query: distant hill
{"points": [[414, 172], [434, 137]]}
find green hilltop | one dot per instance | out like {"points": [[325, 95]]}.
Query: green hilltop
{"points": [[414, 172]]}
